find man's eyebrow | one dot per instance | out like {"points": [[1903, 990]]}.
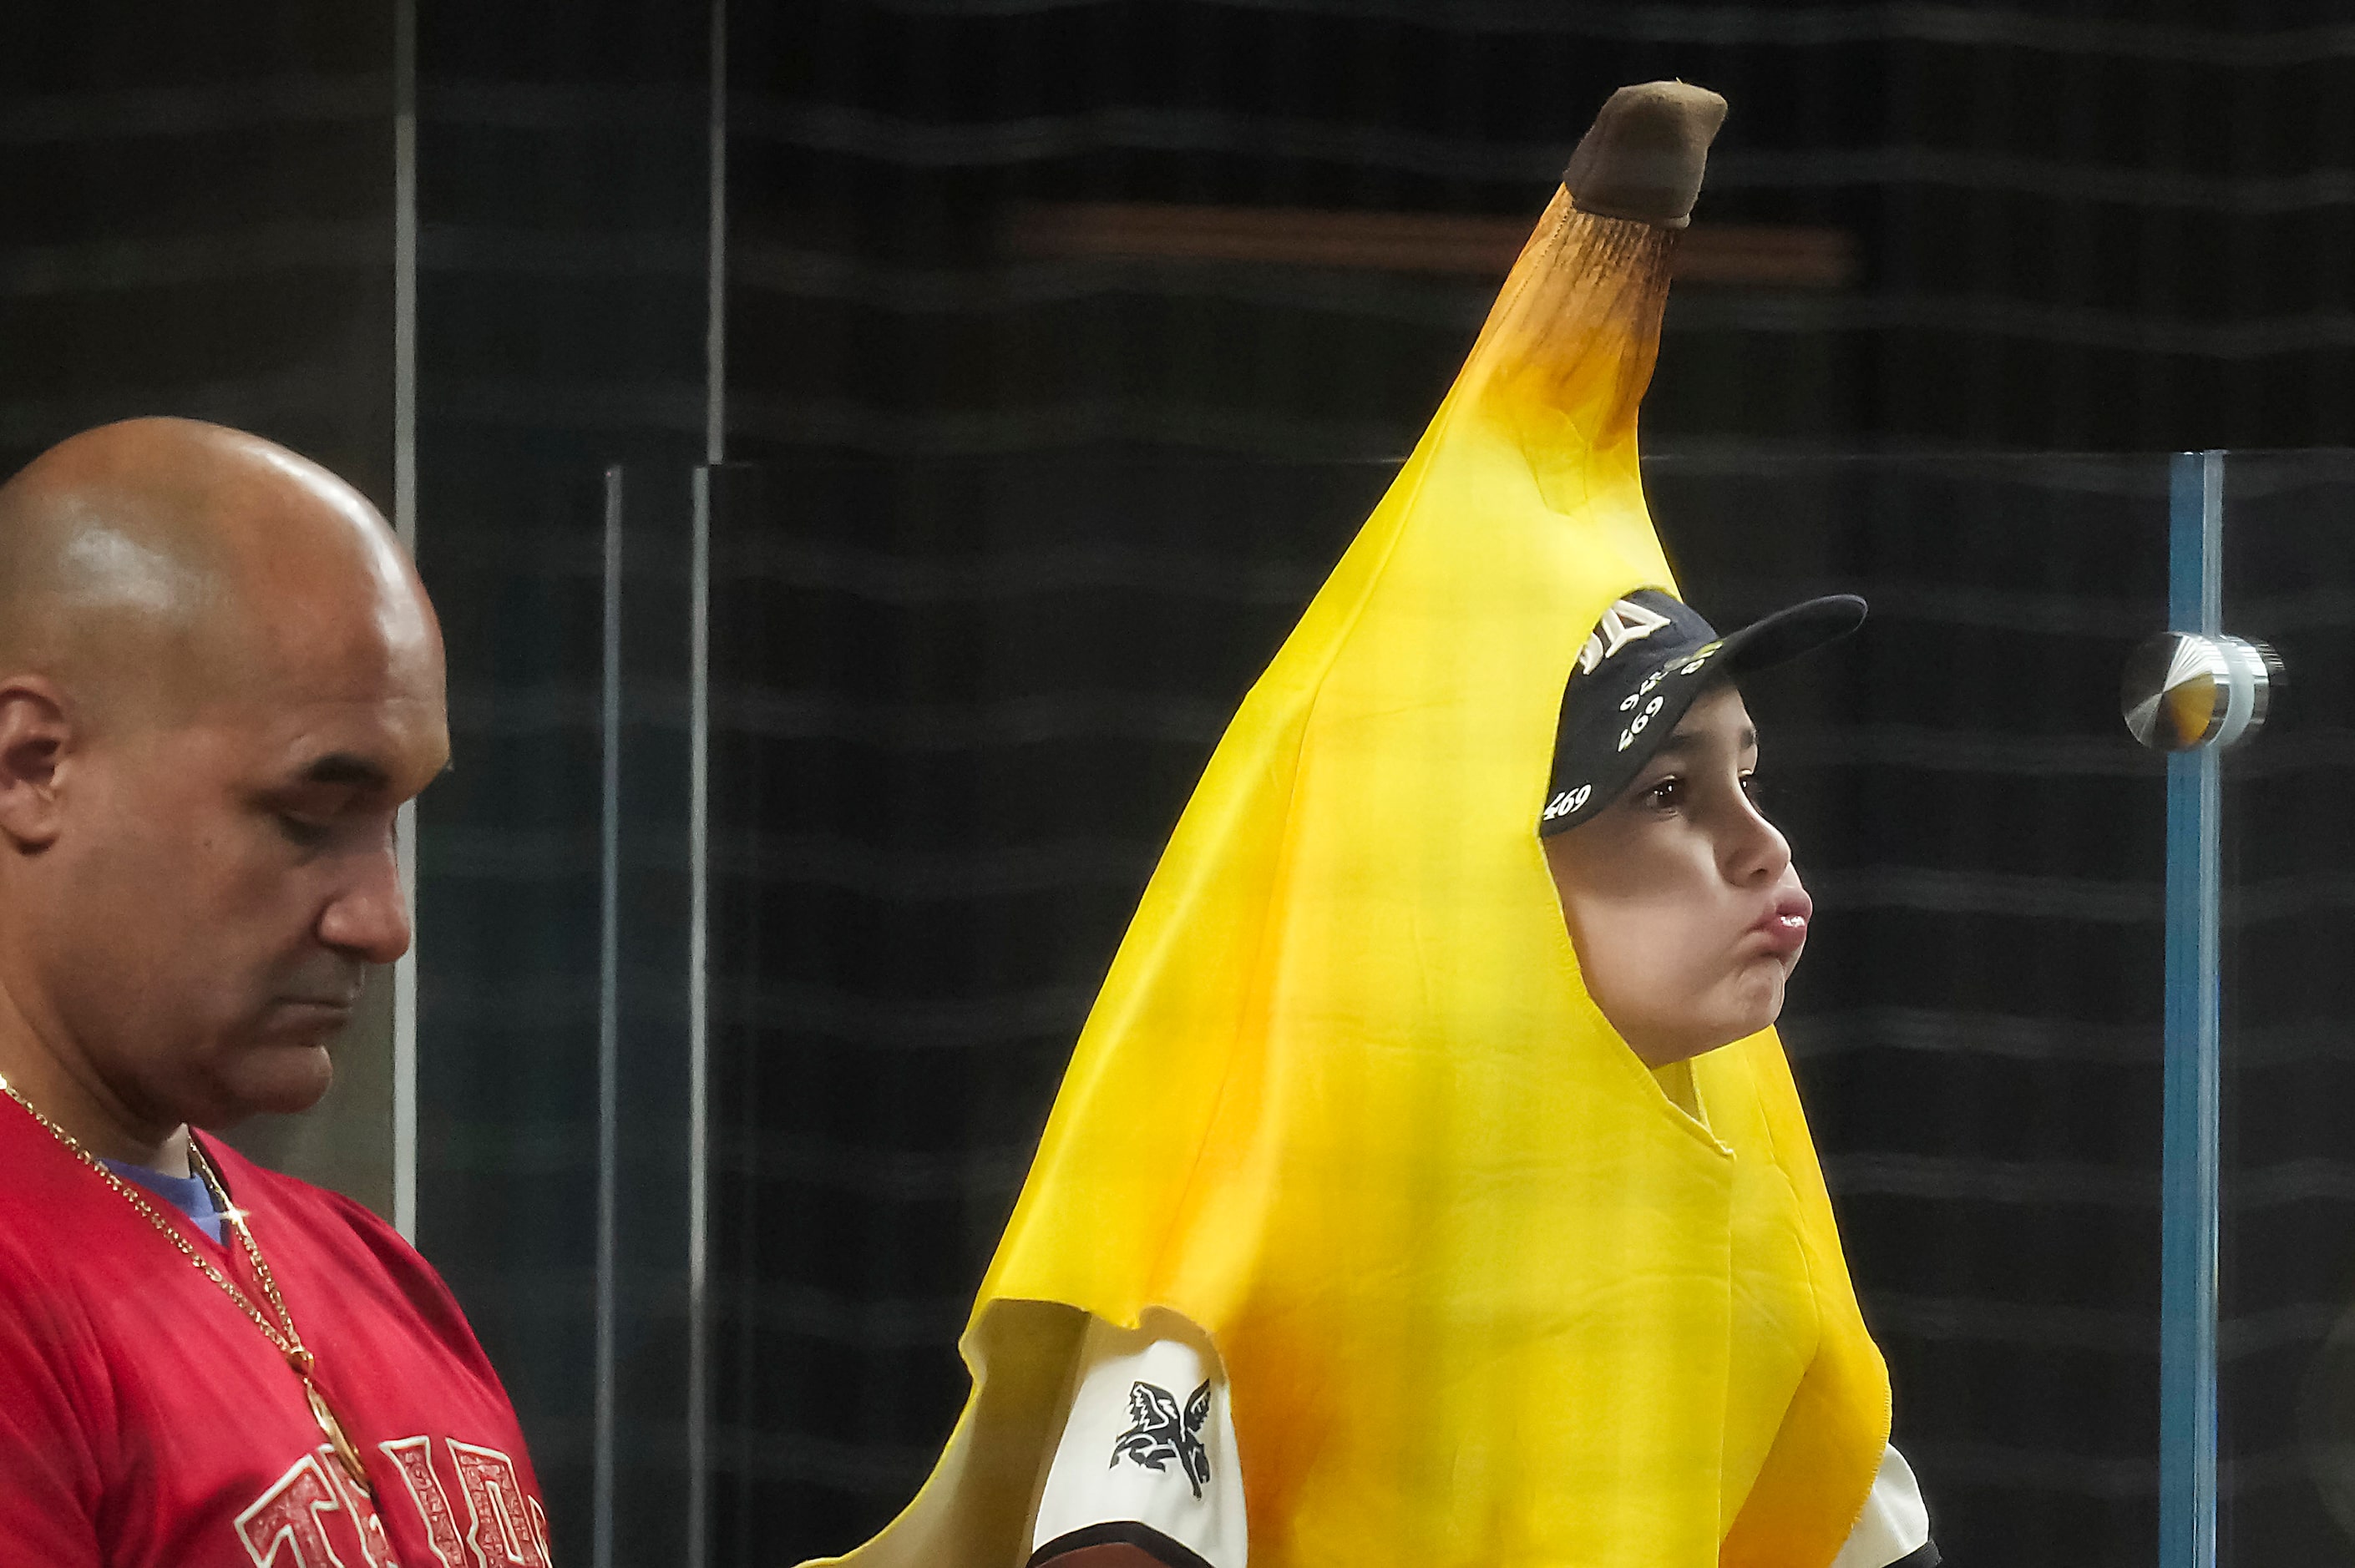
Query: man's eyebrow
{"points": [[343, 767]]}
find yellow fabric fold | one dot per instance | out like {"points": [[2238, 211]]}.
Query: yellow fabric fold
{"points": [[1484, 1293]]}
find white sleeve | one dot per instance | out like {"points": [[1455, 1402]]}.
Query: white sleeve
{"points": [[1895, 1526], [1147, 1455]]}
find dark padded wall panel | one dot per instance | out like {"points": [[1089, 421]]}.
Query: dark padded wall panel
{"points": [[199, 222], [2286, 1407]]}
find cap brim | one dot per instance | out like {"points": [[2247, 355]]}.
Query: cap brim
{"points": [[1783, 636]]}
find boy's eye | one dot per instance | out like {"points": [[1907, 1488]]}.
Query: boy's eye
{"points": [[1667, 795]]}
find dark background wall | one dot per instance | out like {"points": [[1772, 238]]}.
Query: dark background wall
{"points": [[2116, 225], [1016, 530], [199, 219]]}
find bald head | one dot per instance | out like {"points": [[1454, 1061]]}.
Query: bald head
{"points": [[151, 566], [220, 680]]}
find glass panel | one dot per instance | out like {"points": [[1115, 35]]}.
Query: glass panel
{"points": [[1978, 1022], [555, 1111], [956, 706], [2287, 1330]]}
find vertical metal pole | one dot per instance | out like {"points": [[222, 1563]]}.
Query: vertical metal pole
{"points": [[715, 251], [2188, 1277], [609, 1022], [699, 827], [698, 1032], [404, 522]]}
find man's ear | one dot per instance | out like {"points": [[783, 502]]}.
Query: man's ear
{"points": [[35, 739]]}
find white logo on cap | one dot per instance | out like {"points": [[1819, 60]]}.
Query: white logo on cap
{"points": [[1627, 737], [1626, 621], [1568, 801]]}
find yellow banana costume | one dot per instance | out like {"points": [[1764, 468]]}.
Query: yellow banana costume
{"points": [[1483, 1293]]}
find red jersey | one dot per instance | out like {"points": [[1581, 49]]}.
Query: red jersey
{"points": [[147, 1423]]}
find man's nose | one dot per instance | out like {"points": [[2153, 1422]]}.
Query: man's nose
{"points": [[370, 918]]}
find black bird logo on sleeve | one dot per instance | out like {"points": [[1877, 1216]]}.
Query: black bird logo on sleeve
{"points": [[1157, 1433]]}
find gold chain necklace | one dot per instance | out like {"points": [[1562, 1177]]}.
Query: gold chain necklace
{"points": [[280, 1333]]}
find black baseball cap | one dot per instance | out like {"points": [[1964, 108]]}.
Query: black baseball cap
{"points": [[1648, 658]]}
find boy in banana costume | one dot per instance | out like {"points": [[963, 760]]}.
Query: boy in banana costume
{"points": [[1426, 1190]]}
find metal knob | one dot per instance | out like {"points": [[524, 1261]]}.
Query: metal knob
{"points": [[2183, 691]]}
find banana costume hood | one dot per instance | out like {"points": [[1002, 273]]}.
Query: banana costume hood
{"points": [[1484, 1290]]}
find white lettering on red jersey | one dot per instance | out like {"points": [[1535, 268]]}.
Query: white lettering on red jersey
{"points": [[295, 1518], [415, 1458], [498, 1513], [286, 1522]]}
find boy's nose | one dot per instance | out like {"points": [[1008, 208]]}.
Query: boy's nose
{"points": [[1758, 853]]}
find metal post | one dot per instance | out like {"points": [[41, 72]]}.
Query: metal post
{"points": [[715, 246], [2187, 1228], [698, 1031], [608, 1024], [404, 524], [698, 831]]}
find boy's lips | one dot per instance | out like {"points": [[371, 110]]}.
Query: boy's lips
{"points": [[1785, 923]]}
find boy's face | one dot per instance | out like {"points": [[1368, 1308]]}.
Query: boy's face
{"points": [[1682, 901]]}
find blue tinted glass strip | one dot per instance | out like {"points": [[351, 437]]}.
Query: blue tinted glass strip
{"points": [[2187, 1493]]}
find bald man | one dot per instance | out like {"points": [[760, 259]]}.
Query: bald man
{"points": [[219, 678]]}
